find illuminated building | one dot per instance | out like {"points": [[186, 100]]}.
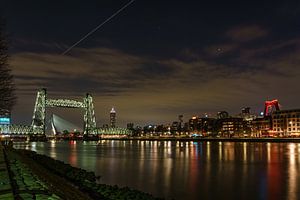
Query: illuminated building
{"points": [[270, 107], [4, 120], [231, 126], [113, 118], [261, 126], [286, 122], [207, 126], [204, 126], [175, 127], [248, 118], [194, 124], [5, 117]]}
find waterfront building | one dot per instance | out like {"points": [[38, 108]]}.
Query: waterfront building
{"points": [[248, 118], [185, 129], [138, 131], [208, 126], [175, 128], [231, 126], [261, 126], [150, 130], [113, 118], [194, 125], [203, 126], [286, 122], [160, 129], [228, 126]]}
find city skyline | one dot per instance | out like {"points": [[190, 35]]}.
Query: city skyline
{"points": [[155, 60]]}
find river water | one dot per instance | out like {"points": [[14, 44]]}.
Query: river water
{"points": [[187, 170]]}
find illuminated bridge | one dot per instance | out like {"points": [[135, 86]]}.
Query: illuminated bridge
{"points": [[59, 125], [38, 125], [11, 129]]}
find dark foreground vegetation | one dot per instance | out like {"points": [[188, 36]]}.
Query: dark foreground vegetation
{"points": [[83, 180], [18, 182]]}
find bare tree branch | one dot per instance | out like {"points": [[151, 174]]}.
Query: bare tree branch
{"points": [[7, 87]]}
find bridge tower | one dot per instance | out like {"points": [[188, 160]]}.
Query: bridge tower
{"points": [[89, 115], [39, 113]]}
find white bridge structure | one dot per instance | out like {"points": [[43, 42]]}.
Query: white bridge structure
{"points": [[38, 125]]}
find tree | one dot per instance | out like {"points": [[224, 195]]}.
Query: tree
{"points": [[7, 87], [66, 133]]}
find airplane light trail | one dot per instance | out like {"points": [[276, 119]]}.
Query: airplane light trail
{"points": [[99, 26]]}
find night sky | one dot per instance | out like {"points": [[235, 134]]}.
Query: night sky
{"points": [[156, 59]]}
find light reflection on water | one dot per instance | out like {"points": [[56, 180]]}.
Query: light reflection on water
{"points": [[52, 149], [187, 170]]}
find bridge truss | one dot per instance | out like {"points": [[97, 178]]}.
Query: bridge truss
{"points": [[15, 129], [42, 102], [38, 124]]}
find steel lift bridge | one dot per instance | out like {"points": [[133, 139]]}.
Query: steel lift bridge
{"points": [[38, 125], [42, 102]]}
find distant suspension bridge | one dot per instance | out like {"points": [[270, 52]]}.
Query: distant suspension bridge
{"points": [[38, 124]]}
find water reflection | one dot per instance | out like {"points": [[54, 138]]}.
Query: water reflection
{"points": [[188, 170], [53, 149], [292, 173], [73, 153]]}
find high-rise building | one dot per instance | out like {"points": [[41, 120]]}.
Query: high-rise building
{"points": [[181, 124], [113, 118]]}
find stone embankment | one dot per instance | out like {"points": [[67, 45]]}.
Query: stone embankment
{"points": [[6, 189]]}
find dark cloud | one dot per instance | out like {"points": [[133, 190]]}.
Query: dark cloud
{"points": [[246, 33], [157, 90], [157, 59]]}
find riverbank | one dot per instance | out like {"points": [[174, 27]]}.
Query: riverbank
{"points": [[207, 139], [34, 176], [19, 182], [183, 139]]}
